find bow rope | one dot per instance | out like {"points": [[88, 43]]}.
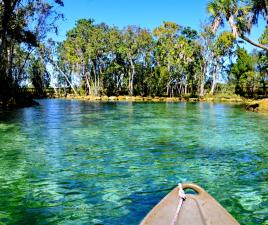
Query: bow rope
{"points": [[182, 198]]}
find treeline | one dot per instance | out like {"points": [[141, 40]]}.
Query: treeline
{"points": [[103, 60], [169, 61], [97, 59]]}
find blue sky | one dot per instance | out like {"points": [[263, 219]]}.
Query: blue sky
{"points": [[145, 13]]}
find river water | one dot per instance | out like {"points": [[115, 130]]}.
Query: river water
{"points": [[75, 162]]}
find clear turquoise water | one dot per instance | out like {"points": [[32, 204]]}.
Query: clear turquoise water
{"points": [[73, 162]]}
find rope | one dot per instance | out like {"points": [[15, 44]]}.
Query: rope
{"points": [[182, 197]]}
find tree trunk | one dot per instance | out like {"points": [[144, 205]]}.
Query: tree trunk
{"points": [[10, 60], [55, 65], [129, 80], [168, 84], [216, 25], [181, 88], [202, 85], [241, 35], [233, 26], [186, 86], [24, 63], [4, 81], [87, 82], [95, 79], [54, 88], [133, 72], [6, 15], [99, 79], [214, 80], [202, 79], [167, 88]]}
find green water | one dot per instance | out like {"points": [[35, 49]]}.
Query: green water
{"points": [[72, 162]]}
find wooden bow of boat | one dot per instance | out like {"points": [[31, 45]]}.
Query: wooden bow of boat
{"points": [[197, 209]]}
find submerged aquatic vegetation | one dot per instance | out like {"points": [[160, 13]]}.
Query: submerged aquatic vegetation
{"points": [[110, 163]]}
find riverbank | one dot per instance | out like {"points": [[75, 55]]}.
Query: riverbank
{"points": [[231, 99], [257, 105]]}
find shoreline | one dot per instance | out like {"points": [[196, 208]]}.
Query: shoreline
{"points": [[152, 99]]}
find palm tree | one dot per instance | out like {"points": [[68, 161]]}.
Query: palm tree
{"points": [[221, 10], [241, 16]]}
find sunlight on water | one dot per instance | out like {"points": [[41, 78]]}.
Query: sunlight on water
{"points": [[72, 162]]}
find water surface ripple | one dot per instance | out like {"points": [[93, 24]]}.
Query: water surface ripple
{"points": [[75, 162]]}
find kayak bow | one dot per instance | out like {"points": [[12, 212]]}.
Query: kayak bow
{"points": [[196, 209]]}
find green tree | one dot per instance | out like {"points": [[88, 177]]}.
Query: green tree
{"points": [[222, 51], [135, 43], [262, 69], [23, 25], [242, 71], [177, 54], [206, 40], [165, 53], [116, 74]]}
